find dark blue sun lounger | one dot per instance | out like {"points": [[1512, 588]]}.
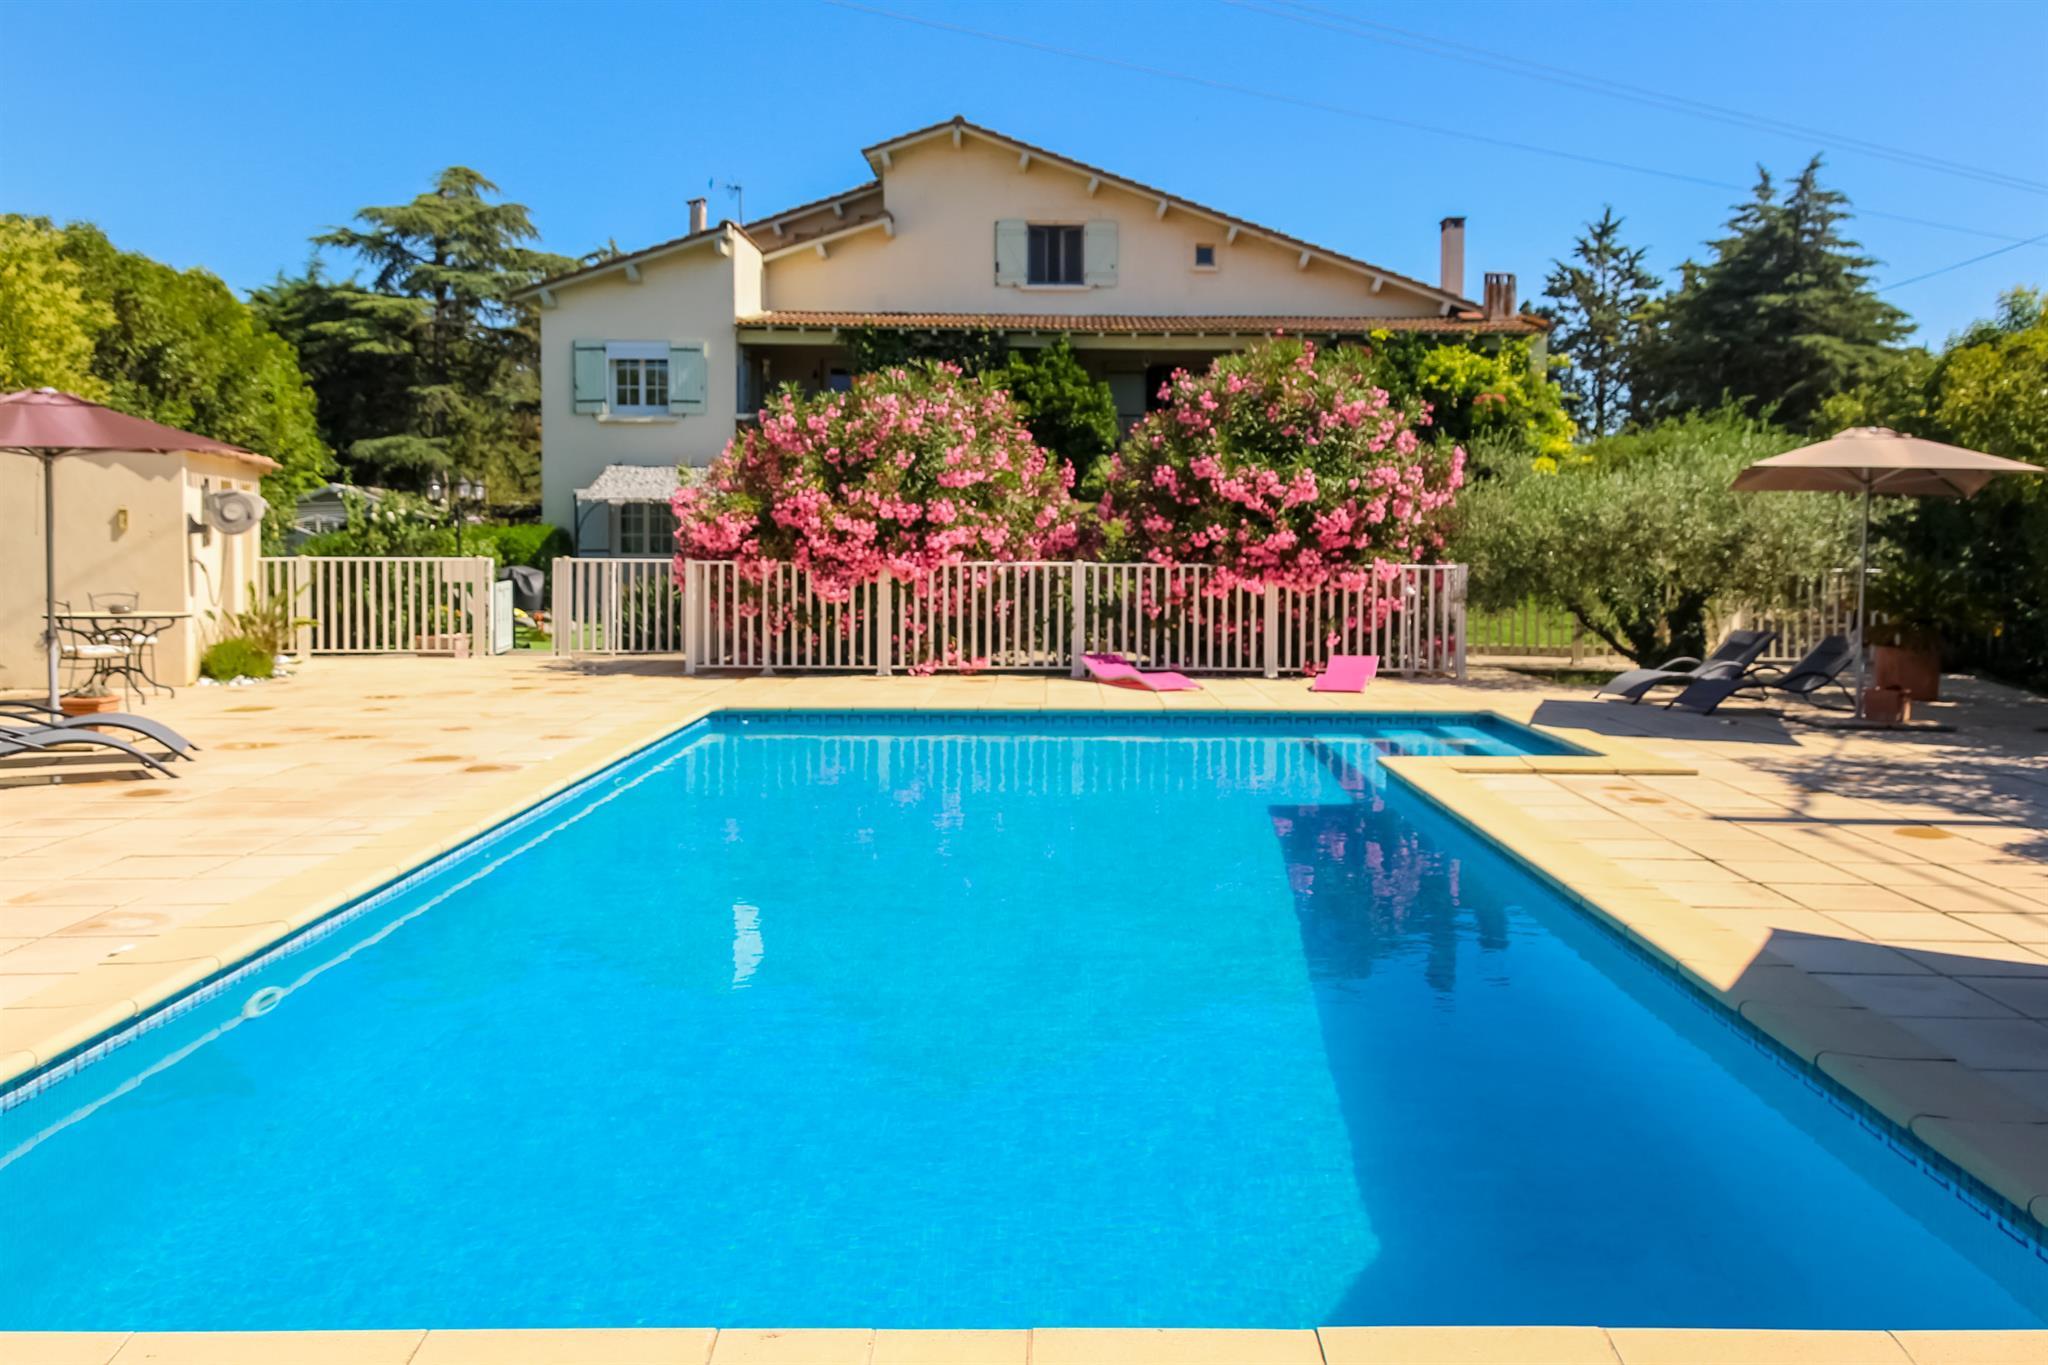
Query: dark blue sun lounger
{"points": [[1821, 667], [1730, 659]]}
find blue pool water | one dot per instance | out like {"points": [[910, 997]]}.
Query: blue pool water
{"points": [[943, 1021]]}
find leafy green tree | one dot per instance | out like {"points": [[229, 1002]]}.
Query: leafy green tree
{"points": [[1643, 541], [1597, 302], [1067, 410], [431, 365], [178, 347], [1780, 319], [47, 323], [1492, 393]]}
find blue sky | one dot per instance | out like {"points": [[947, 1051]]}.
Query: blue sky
{"points": [[224, 135]]}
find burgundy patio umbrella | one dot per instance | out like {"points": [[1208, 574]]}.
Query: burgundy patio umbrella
{"points": [[1877, 462], [50, 425]]}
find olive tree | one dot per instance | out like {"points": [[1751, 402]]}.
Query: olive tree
{"points": [[1642, 541]]}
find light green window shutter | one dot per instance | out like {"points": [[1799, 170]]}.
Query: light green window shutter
{"points": [[688, 378], [1098, 253], [1013, 250], [589, 370]]}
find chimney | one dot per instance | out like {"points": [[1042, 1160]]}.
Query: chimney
{"points": [[1500, 294], [1452, 274], [700, 215]]}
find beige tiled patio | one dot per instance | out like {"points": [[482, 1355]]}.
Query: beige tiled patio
{"points": [[1876, 902]]}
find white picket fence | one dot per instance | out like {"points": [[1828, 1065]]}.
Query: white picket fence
{"points": [[1034, 616], [387, 604]]}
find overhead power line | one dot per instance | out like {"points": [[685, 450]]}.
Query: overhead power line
{"points": [[1370, 30], [1958, 265], [1361, 115]]}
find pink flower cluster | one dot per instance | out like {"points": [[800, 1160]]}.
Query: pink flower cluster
{"points": [[915, 468], [1283, 466]]}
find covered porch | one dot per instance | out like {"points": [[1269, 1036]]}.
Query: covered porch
{"points": [[1133, 355]]}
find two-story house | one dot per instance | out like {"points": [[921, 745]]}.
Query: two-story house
{"points": [[649, 359]]}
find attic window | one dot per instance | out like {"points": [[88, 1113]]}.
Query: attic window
{"points": [[1205, 255]]}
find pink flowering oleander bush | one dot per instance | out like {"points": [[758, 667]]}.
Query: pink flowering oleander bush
{"points": [[916, 467], [1283, 466]]}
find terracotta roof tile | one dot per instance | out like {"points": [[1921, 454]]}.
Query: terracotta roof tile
{"points": [[1118, 324]]}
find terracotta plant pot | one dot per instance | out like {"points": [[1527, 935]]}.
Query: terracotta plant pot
{"points": [[1887, 705], [88, 706], [451, 645], [1916, 672]]}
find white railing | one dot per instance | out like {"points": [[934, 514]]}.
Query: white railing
{"points": [[1033, 616], [1812, 609], [386, 604]]}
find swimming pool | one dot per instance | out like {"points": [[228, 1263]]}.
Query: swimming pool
{"points": [[969, 1020]]}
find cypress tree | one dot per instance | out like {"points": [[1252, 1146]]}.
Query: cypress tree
{"points": [[1598, 299]]}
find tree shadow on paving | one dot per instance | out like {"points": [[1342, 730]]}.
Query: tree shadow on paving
{"points": [[1623, 720], [1983, 784]]}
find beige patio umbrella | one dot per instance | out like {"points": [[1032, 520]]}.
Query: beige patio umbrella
{"points": [[1876, 462]]}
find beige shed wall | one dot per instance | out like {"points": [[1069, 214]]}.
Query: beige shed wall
{"points": [[169, 568], [945, 202], [689, 296]]}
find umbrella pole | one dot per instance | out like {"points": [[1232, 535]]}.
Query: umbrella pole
{"points": [[1862, 619], [50, 570]]}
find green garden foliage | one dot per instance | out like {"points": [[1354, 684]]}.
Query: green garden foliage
{"points": [[430, 366], [402, 524], [1478, 388], [1597, 302], [1779, 320], [880, 348], [47, 324], [1973, 572], [175, 346], [532, 544], [236, 658], [1643, 538], [1067, 410]]}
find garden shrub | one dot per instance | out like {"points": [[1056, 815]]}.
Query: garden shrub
{"points": [[1284, 465], [535, 545], [1067, 410], [236, 657], [915, 467], [1642, 541]]}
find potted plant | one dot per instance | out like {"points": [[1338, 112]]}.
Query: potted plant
{"points": [[1914, 605], [91, 700]]}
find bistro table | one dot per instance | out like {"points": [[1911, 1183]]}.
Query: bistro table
{"points": [[133, 632]]}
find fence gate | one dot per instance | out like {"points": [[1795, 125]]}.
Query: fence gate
{"points": [[387, 604]]}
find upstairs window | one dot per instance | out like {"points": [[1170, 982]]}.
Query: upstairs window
{"points": [[1205, 255], [1055, 255]]}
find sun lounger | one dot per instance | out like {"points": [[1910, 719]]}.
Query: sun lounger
{"points": [[46, 743], [27, 715], [1821, 667], [1730, 659], [1346, 673], [1119, 671]]}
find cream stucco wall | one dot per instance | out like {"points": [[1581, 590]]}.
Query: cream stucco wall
{"points": [[149, 552], [692, 295], [945, 202]]}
